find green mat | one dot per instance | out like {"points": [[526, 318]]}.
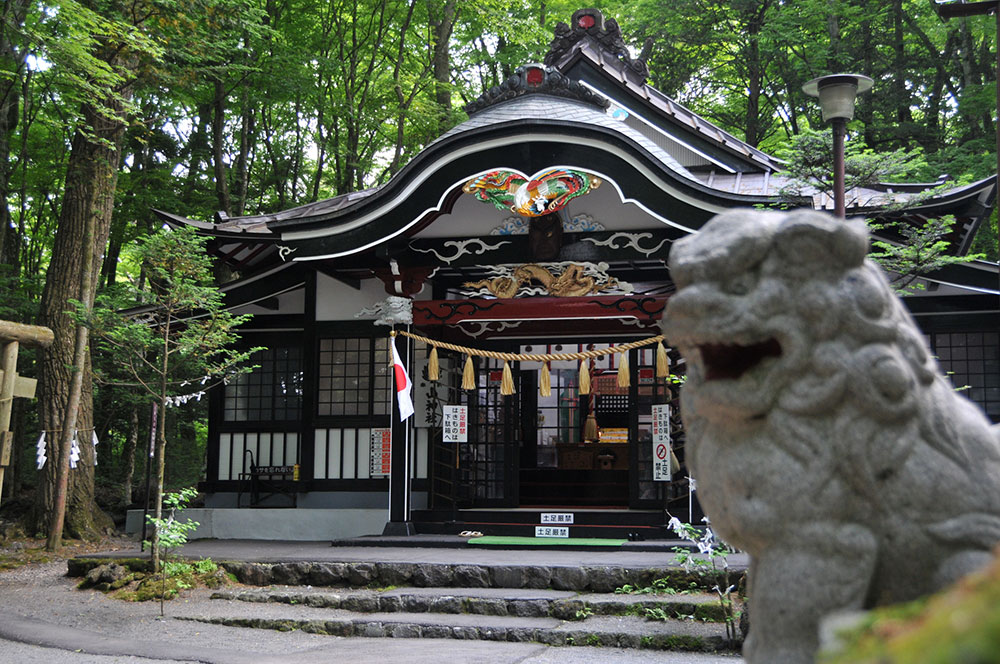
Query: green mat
{"points": [[497, 540]]}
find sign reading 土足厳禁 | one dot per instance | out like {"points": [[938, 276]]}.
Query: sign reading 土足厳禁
{"points": [[456, 424]]}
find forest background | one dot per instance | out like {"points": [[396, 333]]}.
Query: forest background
{"points": [[111, 108]]}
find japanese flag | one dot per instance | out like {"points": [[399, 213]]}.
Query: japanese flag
{"points": [[404, 386]]}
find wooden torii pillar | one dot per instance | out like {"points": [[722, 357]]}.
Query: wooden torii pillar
{"points": [[12, 385]]}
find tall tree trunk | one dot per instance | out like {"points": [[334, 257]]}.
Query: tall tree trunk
{"points": [[198, 153], [12, 64], [88, 201], [128, 454], [835, 58], [443, 25], [243, 159], [900, 95], [755, 77], [218, 134]]}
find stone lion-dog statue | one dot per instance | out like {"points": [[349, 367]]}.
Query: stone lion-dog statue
{"points": [[825, 441]]}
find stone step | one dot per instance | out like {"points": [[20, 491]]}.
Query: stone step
{"points": [[597, 579], [524, 603], [608, 631]]}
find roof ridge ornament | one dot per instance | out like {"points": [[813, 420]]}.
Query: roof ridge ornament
{"points": [[536, 79], [606, 34]]}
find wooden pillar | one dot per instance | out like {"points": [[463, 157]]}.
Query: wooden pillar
{"points": [[14, 334], [8, 364]]}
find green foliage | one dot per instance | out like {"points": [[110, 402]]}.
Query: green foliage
{"points": [[172, 532], [923, 249], [169, 534], [658, 613], [658, 587], [809, 159], [180, 333]]}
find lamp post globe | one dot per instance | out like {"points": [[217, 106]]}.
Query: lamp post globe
{"points": [[836, 94]]}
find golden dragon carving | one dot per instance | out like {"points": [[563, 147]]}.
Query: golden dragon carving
{"points": [[573, 282]]}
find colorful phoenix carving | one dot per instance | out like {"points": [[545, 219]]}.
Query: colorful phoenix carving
{"points": [[543, 193]]}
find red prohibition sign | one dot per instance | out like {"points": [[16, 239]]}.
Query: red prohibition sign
{"points": [[661, 451]]}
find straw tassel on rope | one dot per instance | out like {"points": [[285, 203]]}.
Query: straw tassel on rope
{"points": [[584, 377], [545, 382], [662, 361], [469, 374], [590, 427], [507, 380], [623, 379], [433, 367]]}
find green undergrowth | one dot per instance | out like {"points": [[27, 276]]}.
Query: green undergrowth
{"points": [[661, 587]]}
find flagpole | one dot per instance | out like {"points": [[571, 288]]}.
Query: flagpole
{"points": [[399, 467], [392, 417]]}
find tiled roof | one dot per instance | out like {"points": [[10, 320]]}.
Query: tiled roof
{"points": [[670, 108], [544, 107]]}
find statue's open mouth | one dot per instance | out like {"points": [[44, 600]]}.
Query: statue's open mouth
{"points": [[730, 361]]}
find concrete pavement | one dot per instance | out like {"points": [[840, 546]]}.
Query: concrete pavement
{"points": [[45, 619]]}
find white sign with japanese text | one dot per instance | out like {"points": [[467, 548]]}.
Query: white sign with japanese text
{"points": [[557, 517], [381, 452], [551, 531], [456, 424], [661, 442], [661, 423]]}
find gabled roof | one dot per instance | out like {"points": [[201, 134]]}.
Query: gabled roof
{"points": [[599, 43], [592, 109]]}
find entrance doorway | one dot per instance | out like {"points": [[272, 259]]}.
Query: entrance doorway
{"points": [[532, 451], [563, 461]]}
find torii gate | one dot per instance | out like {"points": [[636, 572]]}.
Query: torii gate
{"points": [[12, 385]]}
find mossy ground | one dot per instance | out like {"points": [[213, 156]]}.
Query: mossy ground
{"points": [[961, 624], [20, 550]]}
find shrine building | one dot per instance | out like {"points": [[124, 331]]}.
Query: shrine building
{"points": [[540, 226]]}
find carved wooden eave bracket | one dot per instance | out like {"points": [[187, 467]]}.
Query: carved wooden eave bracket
{"points": [[536, 79], [605, 35]]}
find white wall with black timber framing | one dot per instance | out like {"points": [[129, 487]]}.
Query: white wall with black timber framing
{"points": [[323, 384]]}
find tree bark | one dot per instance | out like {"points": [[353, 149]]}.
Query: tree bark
{"points": [[88, 202], [443, 25], [218, 134], [128, 455], [12, 62]]}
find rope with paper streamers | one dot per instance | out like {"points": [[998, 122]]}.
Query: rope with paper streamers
{"points": [[507, 381]]}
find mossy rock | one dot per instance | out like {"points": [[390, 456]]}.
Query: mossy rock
{"points": [[76, 567], [961, 624], [145, 587]]}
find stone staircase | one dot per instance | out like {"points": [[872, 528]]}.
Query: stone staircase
{"points": [[560, 606], [557, 598]]}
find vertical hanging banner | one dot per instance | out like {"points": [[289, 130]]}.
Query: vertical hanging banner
{"points": [[381, 452], [661, 442], [456, 424]]}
